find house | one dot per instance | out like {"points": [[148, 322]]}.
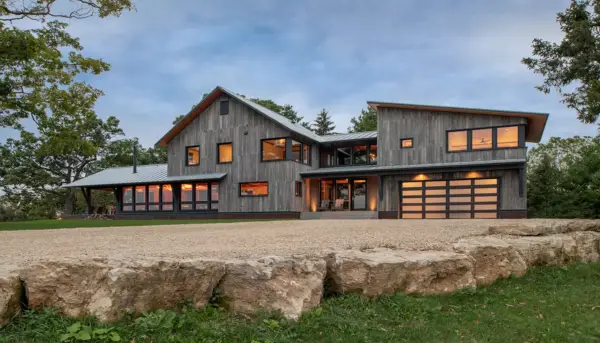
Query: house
{"points": [[232, 158]]}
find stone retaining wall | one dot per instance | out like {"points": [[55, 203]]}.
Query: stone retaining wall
{"points": [[107, 289]]}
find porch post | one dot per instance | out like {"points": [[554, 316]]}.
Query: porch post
{"points": [[87, 195]]}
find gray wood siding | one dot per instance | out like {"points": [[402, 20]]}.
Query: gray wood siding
{"points": [[428, 130], [244, 128], [509, 188]]}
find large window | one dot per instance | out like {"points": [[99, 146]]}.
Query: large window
{"points": [[296, 151], [253, 189], [147, 198], [306, 154], [225, 152], [200, 196], [359, 155], [327, 157], [484, 139], [344, 156], [273, 149], [373, 154], [193, 155]]}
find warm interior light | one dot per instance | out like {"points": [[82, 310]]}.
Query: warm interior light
{"points": [[474, 175], [420, 177]]}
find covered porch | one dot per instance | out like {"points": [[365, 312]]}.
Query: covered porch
{"points": [[341, 194]]}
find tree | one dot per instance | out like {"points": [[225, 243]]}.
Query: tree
{"points": [[366, 121], [323, 124], [572, 67], [287, 111]]}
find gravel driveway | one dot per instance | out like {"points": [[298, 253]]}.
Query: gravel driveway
{"points": [[234, 240]]}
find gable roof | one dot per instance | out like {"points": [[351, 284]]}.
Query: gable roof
{"points": [[218, 91], [536, 122]]}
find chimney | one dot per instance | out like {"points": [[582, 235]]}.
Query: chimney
{"points": [[135, 157]]}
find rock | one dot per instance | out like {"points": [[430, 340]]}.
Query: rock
{"points": [[552, 250], [541, 228], [384, 271], [493, 258], [288, 285], [587, 246], [10, 295], [105, 289]]}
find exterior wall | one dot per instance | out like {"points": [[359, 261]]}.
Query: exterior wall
{"points": [[428, 130], [372, 192], [509, 188], [244, 128]]}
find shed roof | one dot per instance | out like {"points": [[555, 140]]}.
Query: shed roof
{"points": [[154, 173], [348, 136]]}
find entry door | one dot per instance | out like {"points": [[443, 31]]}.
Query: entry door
{"points": [[452, 199], [359, 194]]}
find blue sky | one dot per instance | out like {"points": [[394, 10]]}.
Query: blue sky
{"points": [[318, 54]]}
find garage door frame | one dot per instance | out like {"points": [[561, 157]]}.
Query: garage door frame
{"points": [[437, 192]]}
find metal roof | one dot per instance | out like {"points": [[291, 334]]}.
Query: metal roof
{"points": [[414, 167], [154, 173], [348, 136]]}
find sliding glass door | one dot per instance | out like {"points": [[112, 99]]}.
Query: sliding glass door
{"points": [[359, 194]]}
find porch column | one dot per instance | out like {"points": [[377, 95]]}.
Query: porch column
{"points": [[87, 195]]}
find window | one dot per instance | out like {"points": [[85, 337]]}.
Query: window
{"points": [[482, 139], [273, 149], [457, 141], [147, 198], [306, 154], [167, 198], [343, 156], [253, 189], [214, 196], [127, 199], [327, 158], [298, 188], [224, 107], [201, 196], [296, 151], [406, 143], [193, 155], [373, 154], [140, 198], [225, 152], [508, 137], [187, 196], [360, 154], [153, 198]]}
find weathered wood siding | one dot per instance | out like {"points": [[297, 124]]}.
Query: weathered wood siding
{"points": [[428, 130], [509, 188], [244, 128]]}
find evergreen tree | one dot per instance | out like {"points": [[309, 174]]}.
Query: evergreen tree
{"points": [[366, 121], [323, 125]]}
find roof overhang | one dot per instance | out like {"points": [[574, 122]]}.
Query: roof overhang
{"points": [[536, 122]]}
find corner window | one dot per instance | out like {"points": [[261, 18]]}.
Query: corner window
{"points": [[193, 155], [306, 154], [406, 143], [296, 151], [360, 155], [344, 156], [225, 152], [224, 107], [508, 137], [481, 139], [373, 154], [254, 189], [298, 188], [273, 149], [457, 141]]}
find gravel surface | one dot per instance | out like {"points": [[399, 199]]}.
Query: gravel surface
{"points": [[234, 240]]}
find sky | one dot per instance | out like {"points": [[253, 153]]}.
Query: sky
{"points": [[315, 54]]}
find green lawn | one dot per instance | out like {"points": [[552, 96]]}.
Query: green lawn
{"points": [[546, 305], [75, 223]]}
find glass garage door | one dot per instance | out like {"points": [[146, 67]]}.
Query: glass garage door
{"points": [[449, 199]]}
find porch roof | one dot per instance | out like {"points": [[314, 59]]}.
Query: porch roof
{"points": [[374, 169], [154, 173]]}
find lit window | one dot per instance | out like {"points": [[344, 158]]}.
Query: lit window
{"points": [[373, 154], [193, 155], [360, 154], [214, 196], [140, 198], [298, 188], [249, 189], [306, 154], [457, 141], [482, 139], [167, 198], [508, 137], [186, 193], [406, 143], [296, 151], [273, 149], [127, 199], [153, 193], [225, 153]]}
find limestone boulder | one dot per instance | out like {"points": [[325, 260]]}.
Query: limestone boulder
{"points": [[10, 295], [587, 246], [493, 258], [545, 227], [106, 289], [545, 250], [384, 271], [273, 284]]}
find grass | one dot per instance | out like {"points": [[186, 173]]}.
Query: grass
{"points": [[78, 223], [546, 305]]}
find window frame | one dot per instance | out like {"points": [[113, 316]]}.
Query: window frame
{"points": [[193, 202], [252, 196], [412, 143], [219, 152], [469, 131], [305, 151], [298, 188], [187, 164], [146, 202], [285, 157], [226, 103]]}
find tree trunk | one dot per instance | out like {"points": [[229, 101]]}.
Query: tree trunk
{"points": [[70, 201]]}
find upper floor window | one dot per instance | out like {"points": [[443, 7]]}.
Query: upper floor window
{"points": [[253, 189], [344, 156], [306, 154], [225, 153], [296, 151], [373, 154], [484, 139], [193, 155], [224, 107], [406, 143], [360, 154], [273, 149]]}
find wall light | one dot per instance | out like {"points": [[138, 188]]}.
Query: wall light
{"points": [[420, 177], [474, 175]]}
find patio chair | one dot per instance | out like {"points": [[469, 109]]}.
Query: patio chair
{"points": [[325, 204], [339, 205]]}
